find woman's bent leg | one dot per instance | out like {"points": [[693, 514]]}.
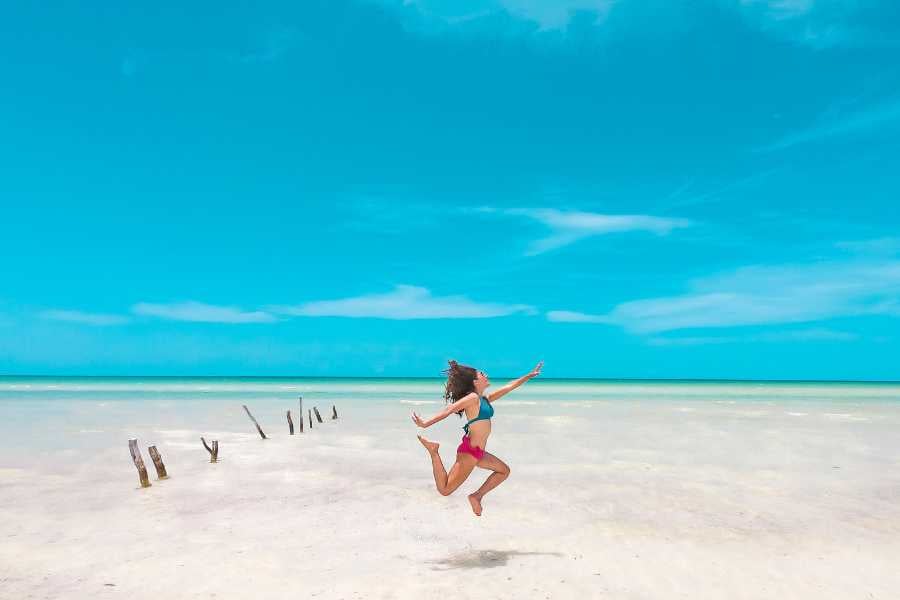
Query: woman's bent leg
{"points": [[446, 483], [500, 473]]}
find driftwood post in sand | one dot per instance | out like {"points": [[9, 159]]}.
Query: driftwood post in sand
{"points": [[318, 416], [333, 412], [214, 451], [258, 428], [158, 463], [139, 463], [310, 418], [290, 423], [301, 414]]}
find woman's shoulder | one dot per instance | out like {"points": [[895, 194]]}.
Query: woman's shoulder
{"points": [[470, 398]]}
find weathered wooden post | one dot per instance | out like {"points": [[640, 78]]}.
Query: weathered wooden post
{"points": [[290, 423], [310, 418], [258, 428], [333, 412], [318, 416], [214, 451], [301, 414], [139, 463], [158, 463]]}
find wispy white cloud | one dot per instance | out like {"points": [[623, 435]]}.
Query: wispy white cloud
{"points": [[779, 10], [544, 14], [269, 46], [818, 24], [87, 318], [568, 227], [873, 118], [721, 192], [800, 335], [703, 340], [814, 24], [558, 13], [817, 334], [405, 302], [568, 316], [200, 312], [763, 295]]}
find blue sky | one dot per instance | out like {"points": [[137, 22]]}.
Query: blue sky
{"points": [[639, 189]]}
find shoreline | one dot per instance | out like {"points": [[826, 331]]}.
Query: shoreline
{"points": [[887, 382]]}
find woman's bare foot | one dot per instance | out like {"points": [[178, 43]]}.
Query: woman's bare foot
{"points": [[429, 445], [475, 501]]}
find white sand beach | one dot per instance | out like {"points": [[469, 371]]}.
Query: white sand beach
{"points": [[630, 498]]}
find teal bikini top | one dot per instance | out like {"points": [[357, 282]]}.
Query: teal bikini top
{"points": [[485, 412]]}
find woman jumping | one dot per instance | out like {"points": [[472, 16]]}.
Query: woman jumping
{"points": [[465, 392]]}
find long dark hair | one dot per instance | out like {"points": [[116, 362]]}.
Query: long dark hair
{"points": [[460, 381]]}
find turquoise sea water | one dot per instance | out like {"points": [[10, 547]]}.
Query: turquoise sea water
{"points": [[44, 414], [15, 389]]}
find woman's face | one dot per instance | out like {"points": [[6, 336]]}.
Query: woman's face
{"points": [[481, 380]]}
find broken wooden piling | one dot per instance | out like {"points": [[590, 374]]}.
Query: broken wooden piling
{"points": [[214, 451], [158, 463], [310, 418], [333, 412], [290, 423], [258, 428], [318, 416], [301, 414], [139, 463]]}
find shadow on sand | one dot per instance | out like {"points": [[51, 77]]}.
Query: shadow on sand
{"points": [[482, 559]]}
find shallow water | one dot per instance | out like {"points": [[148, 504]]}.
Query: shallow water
{"points": [[43, 414]]}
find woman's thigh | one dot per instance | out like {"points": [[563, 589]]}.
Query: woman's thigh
{"points": [[461, 469], [491, 462]]}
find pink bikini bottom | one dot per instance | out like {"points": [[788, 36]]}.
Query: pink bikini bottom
{"points": [[467, 448]]}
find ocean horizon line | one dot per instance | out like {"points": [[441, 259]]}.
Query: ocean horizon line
{"points": [[439, 378]]}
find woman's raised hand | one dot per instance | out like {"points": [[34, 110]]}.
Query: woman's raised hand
{"points": [[536, 370], [418, 420]]}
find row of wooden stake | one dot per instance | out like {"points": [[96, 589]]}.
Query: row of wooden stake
{"points": [[212, 448], [290, 421]]}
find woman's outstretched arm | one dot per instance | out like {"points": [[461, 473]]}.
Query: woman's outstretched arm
{"points": [[449, 410], [499, 393]]}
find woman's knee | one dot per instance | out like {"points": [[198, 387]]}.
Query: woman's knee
{"points": [[451, 487]]}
